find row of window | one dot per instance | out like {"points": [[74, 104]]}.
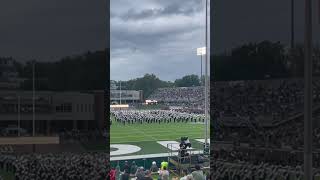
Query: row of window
{"points": [[67, 108], [85, 108], [64, 108]]}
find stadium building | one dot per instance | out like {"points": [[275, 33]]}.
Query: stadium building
{"points": [[54, 111]]}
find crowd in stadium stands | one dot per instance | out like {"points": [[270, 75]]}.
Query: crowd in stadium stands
{"points": [[128, 171], [273, 100], [262, 115], [60, 166], [154, 116], [179, 94], [83, 136], [259, 164]]}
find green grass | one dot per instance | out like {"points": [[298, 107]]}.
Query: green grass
{"points": [[146, 135], [120, 133]]}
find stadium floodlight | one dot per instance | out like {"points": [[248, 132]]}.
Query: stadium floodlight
{"points": [[201, 52]]}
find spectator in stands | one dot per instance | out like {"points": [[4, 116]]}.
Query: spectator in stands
{"points": [[133, 168], [164, 174], [112, 174], [125, 175], [164, 164], [154, 167], [198, 173], [118, 172], [140, 173], [126, 166], [184, 174], [148, 176]]}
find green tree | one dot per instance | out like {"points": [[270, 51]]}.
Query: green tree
{"points": [[188, 81]]}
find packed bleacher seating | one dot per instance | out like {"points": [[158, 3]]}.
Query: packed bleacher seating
{"points": [[178, 94], [132, 171], [82, 136], [60, 166]]}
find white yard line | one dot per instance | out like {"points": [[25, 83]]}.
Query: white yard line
{"points": [[147, 156]]}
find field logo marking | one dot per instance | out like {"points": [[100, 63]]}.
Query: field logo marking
{"points": [[123, 149]]}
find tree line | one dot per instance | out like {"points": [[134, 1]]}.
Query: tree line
{"points": [[87, 71], [263, 60], [150, 82]]}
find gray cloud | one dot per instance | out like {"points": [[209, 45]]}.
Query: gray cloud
{"points": [[176, 8], [157, 37]]}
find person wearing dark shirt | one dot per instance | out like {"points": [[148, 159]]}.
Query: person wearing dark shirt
{"points": [[154, 167], [140, 173], [126, 166], [148, 176], [125, 175]]}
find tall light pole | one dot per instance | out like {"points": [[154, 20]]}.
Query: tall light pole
{"points": [[308, 91], [120, 92], [201, 70], [201, 52], [33, 98], [292, 24], [206, 82], [19, 102]]}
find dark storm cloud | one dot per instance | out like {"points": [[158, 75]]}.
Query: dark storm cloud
{"points": [[160, 37], [175, 8], [48, 30]]}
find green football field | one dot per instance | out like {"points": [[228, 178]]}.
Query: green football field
{"points": [[154, 132], [146, 135]]}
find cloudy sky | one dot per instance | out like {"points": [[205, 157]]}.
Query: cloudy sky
{"points": [[156, 36], [160, 36], [48, 30]]}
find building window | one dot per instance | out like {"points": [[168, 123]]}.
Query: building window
{"points": [[67, 107], [81, 107], [64, 108], [59, 108]]}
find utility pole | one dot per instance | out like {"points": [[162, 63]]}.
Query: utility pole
{"points": [[308, 129], [292, 24], [206, 80], [19, 118]]}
